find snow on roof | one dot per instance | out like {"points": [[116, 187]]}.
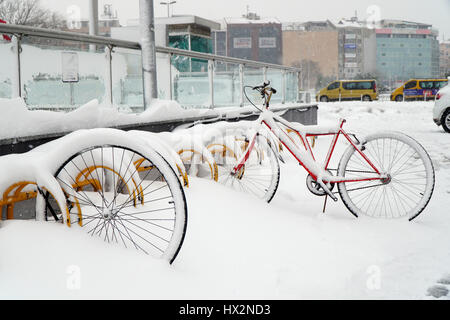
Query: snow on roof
{"points": [[344, 23], [187, 19], [243, 20], [410, 23]]}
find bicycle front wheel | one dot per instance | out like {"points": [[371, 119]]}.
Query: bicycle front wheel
{"points": [[124, 196], [259, 176], [408, 187]]}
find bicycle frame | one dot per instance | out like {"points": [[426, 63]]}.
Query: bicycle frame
{"points": [[269, 120]]}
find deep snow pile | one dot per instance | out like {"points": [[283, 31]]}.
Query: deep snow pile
{"points": [[240, 247], [90, 115], [99, 115]]}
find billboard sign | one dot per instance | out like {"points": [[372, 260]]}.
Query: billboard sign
{"points": [[242, 43], [268, 42]]}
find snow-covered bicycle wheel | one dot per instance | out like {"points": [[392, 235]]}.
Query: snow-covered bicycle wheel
{"points": [[259, 176], [125, 196], [409, 184]]}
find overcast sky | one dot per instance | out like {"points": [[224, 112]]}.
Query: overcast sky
{"points": [[435, 12]]}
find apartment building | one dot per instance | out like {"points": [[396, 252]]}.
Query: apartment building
{"points": [[357, 48], [407, 50], [250, 37], [315, 41], [444, 61]]}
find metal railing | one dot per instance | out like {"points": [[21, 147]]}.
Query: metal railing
{"points": [[20, 32]]}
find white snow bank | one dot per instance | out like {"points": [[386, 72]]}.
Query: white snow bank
{"points": [[17, 121], [237, 247]]}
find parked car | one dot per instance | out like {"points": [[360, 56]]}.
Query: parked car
{"points": [[365, 90], [441, 112], [417, 89]]}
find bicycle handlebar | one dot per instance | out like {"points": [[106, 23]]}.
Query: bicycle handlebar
{"points": [[264, 86]]}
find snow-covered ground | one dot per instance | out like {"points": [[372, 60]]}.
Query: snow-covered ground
{"points": [[238, 247]]}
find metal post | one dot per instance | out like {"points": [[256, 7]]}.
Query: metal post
{"points": [[190, 49], [283, 90], [16, 84], [72, 94], [265, 74], [241, 79], [93, 21], [170, 77], [108, 84], [211, 83], [147, 26]]}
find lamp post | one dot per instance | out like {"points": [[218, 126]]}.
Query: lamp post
{"points": [[147, 30], [168, 4]]}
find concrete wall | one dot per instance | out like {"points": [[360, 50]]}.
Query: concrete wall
{"points": [[370, 52]]}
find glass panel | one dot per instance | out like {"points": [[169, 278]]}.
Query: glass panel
{"points": [[227, 85], [190, 89], [276, 81], [291, 87], [182, 64], [42, 82], [163, 73], [6, 74], [128, 87], [204, 45], [253, 77]]}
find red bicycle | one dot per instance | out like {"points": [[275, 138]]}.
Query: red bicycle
{"points": [[384, 175]]}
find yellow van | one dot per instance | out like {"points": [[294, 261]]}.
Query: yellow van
{"points": [[340, 90], [417, 89]]}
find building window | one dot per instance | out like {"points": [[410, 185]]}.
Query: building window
{"points": [[383, 54], [420, 63]]}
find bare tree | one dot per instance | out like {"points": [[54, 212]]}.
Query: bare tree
{"points": [[30, 13], [310, 73]]}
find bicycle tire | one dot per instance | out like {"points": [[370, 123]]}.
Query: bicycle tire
{"points": [[151, 215], [410, 183], [260, 175]]}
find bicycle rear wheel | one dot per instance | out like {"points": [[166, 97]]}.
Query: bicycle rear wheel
{"points": [[125, 197], [260, 175], [408, 188]]}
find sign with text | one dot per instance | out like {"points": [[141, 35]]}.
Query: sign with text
{"points": [[242, 43], [350, 46], [267, 42], [70, 67], [351, 65]]}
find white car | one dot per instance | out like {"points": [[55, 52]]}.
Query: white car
{"points": [[441, 111]]}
